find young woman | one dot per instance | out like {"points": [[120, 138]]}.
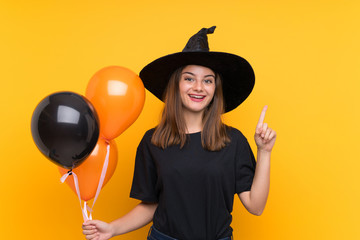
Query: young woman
{"points": [[189, 167]]}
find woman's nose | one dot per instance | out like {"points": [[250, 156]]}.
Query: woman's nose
{"points": [[197, 86]]}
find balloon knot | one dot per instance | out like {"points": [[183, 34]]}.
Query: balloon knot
{"points": [[107, 141], [70, 172]]}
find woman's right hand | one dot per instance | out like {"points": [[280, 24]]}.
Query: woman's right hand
{"points": [[138, 217], [97, 230]]}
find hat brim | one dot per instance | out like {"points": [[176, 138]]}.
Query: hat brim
{"points": [[237, 74]]}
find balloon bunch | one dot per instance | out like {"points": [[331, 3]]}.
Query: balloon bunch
{"points": [[77, 133]]}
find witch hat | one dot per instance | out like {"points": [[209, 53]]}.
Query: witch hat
{"points": [[237, 75]]}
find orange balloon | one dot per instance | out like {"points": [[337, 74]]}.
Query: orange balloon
{"points": [[118, 95], [89, 171]]}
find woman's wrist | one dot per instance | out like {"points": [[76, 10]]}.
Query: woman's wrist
{"points": [[263, 151], [113, 229], [263, 155]]}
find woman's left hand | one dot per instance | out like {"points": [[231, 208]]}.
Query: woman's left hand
{"points": [[264, 136]]}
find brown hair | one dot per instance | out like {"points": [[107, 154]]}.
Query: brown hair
{"points": [[172, 128]]}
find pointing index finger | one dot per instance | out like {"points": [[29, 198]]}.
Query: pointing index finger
{"points": [[262, 117]]}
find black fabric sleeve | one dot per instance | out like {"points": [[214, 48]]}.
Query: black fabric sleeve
{"points": [[145, 176], [245, 166]]}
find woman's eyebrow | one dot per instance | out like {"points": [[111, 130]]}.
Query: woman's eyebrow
{"points": [[188, 73], [210, 75]]}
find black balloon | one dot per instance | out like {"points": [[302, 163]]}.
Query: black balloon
{"points": [[65, 128]]}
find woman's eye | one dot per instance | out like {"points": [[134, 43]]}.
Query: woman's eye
{"points": [[208, 81], [188, 79]]}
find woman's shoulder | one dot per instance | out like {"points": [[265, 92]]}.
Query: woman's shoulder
{"points": [[148, 134], [236, 134]]}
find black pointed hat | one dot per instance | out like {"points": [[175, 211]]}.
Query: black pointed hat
{"points": [[237, 75]]}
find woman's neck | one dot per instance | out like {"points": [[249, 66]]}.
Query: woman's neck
{"points": [[193, 121]]}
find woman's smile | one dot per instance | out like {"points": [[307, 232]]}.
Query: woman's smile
{"points": [[197, 98]]}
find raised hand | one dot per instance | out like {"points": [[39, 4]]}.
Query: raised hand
{"points": [[264, 136], [97, 230]]}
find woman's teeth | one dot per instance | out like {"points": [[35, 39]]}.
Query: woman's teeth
{"points": [[196, 96]]}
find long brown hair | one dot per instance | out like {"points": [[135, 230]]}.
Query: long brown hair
{"points": [[172, 128]]}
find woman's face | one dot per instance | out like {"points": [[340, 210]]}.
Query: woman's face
{"points": [[197, 87]]}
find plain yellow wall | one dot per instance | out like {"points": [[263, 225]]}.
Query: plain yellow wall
{"points": [[306, 58]]}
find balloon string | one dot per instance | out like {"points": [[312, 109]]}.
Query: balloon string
{"points": [[103, 174], [76, 182], [86, 208]]}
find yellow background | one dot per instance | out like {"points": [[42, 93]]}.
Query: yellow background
{"points": [[306, 57]]}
